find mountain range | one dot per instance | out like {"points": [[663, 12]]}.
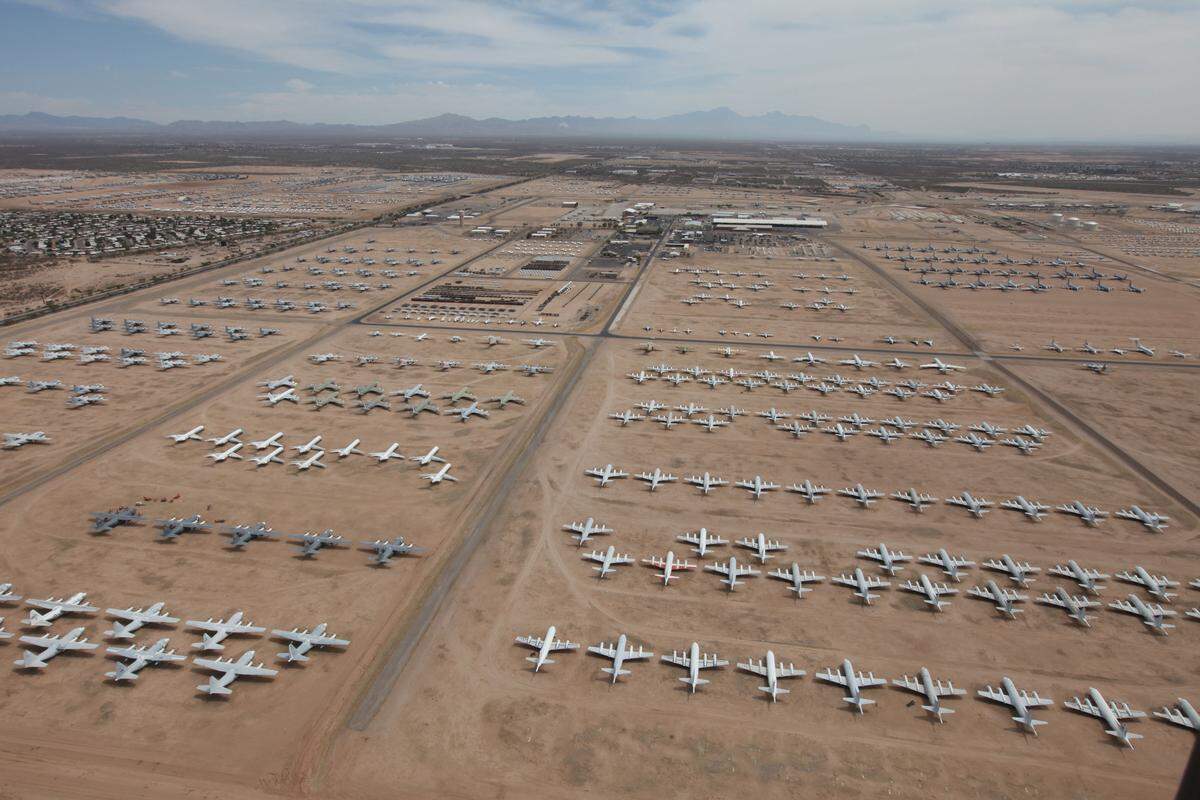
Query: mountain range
{"points": [[716, 124]]}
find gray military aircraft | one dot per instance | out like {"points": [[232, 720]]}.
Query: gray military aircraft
{"points": [[172, 528], [862, 584], [544, 647], [1022, 702], [242, 535], [772, 671], [1075, 606], [1111, 715], [130, 620], [619, 653], [932, 690], [71, 641], [139, 657], [105, 521], [301, 642], [386, 549], [230, 670], [312, 543], [853, 682], [693, 661]]}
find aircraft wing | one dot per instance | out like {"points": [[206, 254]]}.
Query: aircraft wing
{"points": [[562, 644], [870, 680], [995, 695], [844, 581], [1123, 711], [679, 659], [42, 641], [139, 615], [911, 684], [872, 582], [707, 662], [317, 640], [1083, 705], [234, 668], [50, 605], [832, 676]]}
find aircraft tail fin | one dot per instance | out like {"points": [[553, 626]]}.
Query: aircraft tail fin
{"points": [[694, 683], [1030, 723], [293, 654], [938, 710], [774, 691], [616, 673], [122, 673], [119, 631], [30, 660], [537, 664], [1125, 736], [213, 687]]}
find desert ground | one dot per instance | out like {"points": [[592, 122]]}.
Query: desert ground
{"points": [[434, 697]]}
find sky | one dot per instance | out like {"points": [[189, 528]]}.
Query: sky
{"points": [[966, 70]]}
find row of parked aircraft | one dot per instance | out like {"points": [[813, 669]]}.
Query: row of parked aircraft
{"points": [[197, 330], [80, 395], [309, 543], [888, 430], [310, 453], [413, 399], [127, 357], [131, 658], [933, 692], [441, 365], [1034, 510]]}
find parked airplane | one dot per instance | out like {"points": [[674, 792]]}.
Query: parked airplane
{"points": [[1075, 606], [1184, 715], [1153, 615], [544, 646], [772, 672], [810, 492], [608, 560], [757, 486], [732, 571], [217, 631], [1003, 599], [1022, 702], [1155, 585], [392, 451], [312, 543], [139, 657], [300, 642], [1090, 515], [131, 620], [442, 474], [1152, 520], [862, 584], [54, 607], [916, 501], [1021, 573], [668, 565], [1086, 578], [655, 478], [889, 560], [932, 690], [951, 565], [941, 366], [694, 661], [932, 591], [230, 670], [194, 433], [312, 461], [1030, 508], [387, 549], [1111, 715], [585, 530], [861, 495], [853, 682], [762, 546], [51, 646], [618, 652], [701, 541], [977, 506]]}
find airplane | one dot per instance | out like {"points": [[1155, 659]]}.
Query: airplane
{"points": [[54, 607], [941, 366], [861, 495], [1076, 607], [929, 437], [1152, 520], [732, 571], [466, 412], [796, 428], [1021, 573], [442, 474], [416, 390], [640, 377], [194, 433], [932, 591], [429, 457], [506, 398], [797, 578], [840, 431], [393, 451], [857, 420], [461, 394], [230, 670], [105, 521], [976, 506], [810, 359], [287, 381], [1026, 446], [1086, 578], [242, 535], [1153, 615], [51, 646], [349, 450], [220, 441], [762, 546], [1054, 346], [706, 482], [1003, 599], [1183, 715], [156, 653], [916, 501], [328, 385], [1021, 701], [974, 440], [386, 549], [1138, 347], [650, 406], [608, 560], [854, 683], [885, 435], [757, 486], [175, 526], [933, 691], [7, 595], [947, 563], [896, 363], [367, 406], [268, 458], [862, 584], [655, 478], [312, 461], [618, 652], [701, 541], [312, 543], [889, 560], [988, 389], [447, 365], [1030, 508], [989, 429], [772, 671], [625, 417], [937, 394], [538, 342], [544, 646], [1155, 585], [586, 530], [668, 565], [858, 362], [300, 642], [217, 631], [1110, 714], [694, 661], [365, 389], [1034, 433], [808, 491], [414, 409], [312, 444], [604, 475]]}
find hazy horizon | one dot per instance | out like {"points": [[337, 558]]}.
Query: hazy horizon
{"points": [[1086, 71]]}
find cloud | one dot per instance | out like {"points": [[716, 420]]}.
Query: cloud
{"points": [[938, 68]]}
